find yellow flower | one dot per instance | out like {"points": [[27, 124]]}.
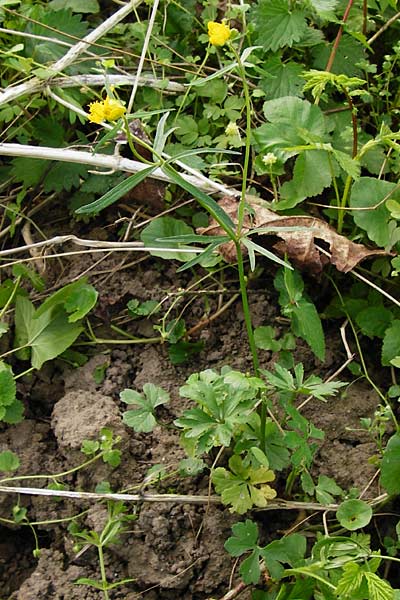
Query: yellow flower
{"points": [[107, 110], [218, 33]]}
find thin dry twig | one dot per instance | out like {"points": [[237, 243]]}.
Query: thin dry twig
{"points": [[117, 163], [146, 42], [388, 23], [278, 504]]}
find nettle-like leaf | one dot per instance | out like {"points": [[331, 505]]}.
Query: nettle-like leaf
{"points": [[243, 487], [224, 401], [350, 580], [374, 320], [62, 22], [142, 418], [349, 55], [277, 24], [279, 79], [378, 588]]}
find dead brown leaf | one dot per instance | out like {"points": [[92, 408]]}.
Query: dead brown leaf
{"points": [[300, 245]]}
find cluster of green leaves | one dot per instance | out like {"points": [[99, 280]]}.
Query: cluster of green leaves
{"points": [[339, 567], [225, 416]]}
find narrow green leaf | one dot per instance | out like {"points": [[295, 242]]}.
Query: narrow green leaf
{"points": [[252, 246], [116, 193], [204, 200]]}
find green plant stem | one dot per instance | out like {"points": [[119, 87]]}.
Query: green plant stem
{"points": [[11, 298], [246, 162], [55, 476], [241, 272], [103, 572], [246, 311], [343, 203], [131, 138], [338, 37], [24, 373]]}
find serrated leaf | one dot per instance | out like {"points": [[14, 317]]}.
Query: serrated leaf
{"points": [[378, 588], [281, 78], [29, 171], [349, 54], [14, 413], [326, 489], [64, 176], [288, 550], [350, 580], [239, 487], [276, 24], [142, 418], [89, 6], [250, 569]]}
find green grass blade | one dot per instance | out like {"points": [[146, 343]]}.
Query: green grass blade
{"points": [[116, 193], [204, 200]]}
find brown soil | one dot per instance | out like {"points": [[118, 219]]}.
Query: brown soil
{"points": [[173, 551]]}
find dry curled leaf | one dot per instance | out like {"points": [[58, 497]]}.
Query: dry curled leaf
{"points": [[300, 244]]}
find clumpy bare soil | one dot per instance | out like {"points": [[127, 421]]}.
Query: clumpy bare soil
{"points": [[173, 551]]}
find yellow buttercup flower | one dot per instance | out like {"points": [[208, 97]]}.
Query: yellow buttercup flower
{"points": [[107, 110], [218, 33]]}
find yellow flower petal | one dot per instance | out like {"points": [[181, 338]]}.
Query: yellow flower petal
{"points": [[218, 33], [113, 109], [96, 112], [107, 110]]}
